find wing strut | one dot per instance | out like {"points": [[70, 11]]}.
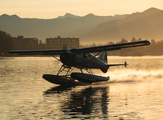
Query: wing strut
{"points": [[55, 57]]}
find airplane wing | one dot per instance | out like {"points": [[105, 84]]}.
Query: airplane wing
{"points": [[115, 46], [38, 52], [85, 50]]}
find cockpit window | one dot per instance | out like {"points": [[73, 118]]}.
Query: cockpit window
{"points": [[87, 56]]}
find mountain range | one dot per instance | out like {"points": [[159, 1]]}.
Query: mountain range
{"points": [[144, 25], [90, 28]]}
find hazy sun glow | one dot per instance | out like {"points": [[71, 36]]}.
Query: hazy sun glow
{"points": [[54, 8]]}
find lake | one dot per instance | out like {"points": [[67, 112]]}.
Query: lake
{"points": [[132, 93]]}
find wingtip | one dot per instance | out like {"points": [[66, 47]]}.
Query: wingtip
{"points": [[147, 41], [125, 64]]}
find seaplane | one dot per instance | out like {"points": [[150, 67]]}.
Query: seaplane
{"points": [[83, 59]]}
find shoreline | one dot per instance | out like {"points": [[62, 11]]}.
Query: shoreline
{"points": [[107, 55]]}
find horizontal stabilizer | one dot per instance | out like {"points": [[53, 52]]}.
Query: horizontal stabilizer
{"points": [[110, 65]]}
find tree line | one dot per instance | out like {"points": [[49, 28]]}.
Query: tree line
{"points": [[5, 43], [156, 47]]}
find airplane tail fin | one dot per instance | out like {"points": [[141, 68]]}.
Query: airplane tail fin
{"points": [[103, 57]]}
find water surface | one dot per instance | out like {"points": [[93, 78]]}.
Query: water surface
{"points": [[132, 93]]}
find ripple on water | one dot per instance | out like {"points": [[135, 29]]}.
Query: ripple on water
{"points": [[132, 93]]}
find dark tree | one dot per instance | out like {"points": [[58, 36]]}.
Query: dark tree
{"points": [[6, 43]]}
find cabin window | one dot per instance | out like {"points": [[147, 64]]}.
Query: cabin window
{"points": [[84, 56]]}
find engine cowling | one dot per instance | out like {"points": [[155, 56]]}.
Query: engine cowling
{"points": [[67, 58]]}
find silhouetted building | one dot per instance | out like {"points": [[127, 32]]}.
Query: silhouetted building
{"points": [[62, 43], [21, 43]]}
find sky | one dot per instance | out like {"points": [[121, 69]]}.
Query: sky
{"points": [[47, 9]]}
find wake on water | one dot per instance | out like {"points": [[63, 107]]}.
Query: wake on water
{"points": [[132, 75]]}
